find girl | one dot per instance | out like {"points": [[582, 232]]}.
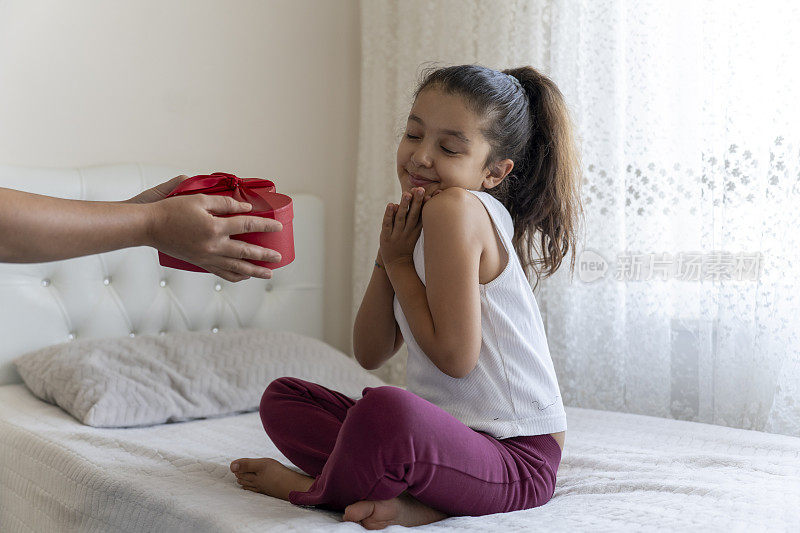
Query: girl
{"points": [[481, 428]]}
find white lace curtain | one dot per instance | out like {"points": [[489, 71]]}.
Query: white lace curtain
{"points": [[687, 115]]}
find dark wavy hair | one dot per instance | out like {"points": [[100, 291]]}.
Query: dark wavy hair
{"points": [[527, 121]]}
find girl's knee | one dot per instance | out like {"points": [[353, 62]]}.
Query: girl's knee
{"points": [[386, 426], [388, 397], [388, 405], [275, 392]]}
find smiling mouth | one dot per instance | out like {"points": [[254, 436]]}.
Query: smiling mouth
{"points": [[419, 180]]}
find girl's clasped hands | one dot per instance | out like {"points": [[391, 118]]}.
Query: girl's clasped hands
{"points": [[402, 224]]}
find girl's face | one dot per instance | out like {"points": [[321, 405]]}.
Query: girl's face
{"points": [[443, 146]]}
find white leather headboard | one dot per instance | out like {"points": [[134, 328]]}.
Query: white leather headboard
{"points": [[127, 292]]}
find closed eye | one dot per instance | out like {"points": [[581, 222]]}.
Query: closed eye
{"points": [[416, 138]]}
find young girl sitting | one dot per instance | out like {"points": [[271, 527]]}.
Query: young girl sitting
{"points": [[481, 427]]}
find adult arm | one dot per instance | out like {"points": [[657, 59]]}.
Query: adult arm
{"points": [[35, 228]]}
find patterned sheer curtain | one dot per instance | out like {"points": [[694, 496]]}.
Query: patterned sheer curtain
{"points": [[684, 302]]}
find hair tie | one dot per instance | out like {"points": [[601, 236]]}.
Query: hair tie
{"points": [[513, 79]]}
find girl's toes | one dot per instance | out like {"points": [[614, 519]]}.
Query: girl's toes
{"points": [[358, 511], [240, 466]]}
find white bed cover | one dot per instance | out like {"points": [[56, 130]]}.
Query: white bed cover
{"points": [[619, 472]]}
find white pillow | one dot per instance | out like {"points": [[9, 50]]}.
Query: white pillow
{"points": [[181, 376]]}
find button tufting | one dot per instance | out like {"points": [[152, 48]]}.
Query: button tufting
{"points": [[218, 287], [106, 281], [132, 334], [215, 329], [269, 287], [163, 283], [71, 336], [45, 282], [162, 332]]}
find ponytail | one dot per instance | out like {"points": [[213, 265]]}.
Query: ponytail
{"points": [[543, 192]]}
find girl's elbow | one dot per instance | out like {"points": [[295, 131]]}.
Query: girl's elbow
{"points": [[364, 360], [460, 363], [458, 372], [369, 359], [369, 365]]}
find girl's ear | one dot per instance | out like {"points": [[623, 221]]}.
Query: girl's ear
{"points": [[498, 173]]}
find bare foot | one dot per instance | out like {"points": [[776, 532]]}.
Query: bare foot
{"points": [[269, 477], [402, 511]]}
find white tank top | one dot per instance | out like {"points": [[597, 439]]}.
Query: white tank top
{"points": [[513, 389]]}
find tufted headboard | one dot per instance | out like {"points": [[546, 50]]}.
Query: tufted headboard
{"points": [[127, 293]]}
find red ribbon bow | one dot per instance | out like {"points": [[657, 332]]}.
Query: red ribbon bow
{"points": [[220, 182]]}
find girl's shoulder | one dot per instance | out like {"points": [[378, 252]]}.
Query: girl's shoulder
{"points": [[458, 214], [455, 206]]}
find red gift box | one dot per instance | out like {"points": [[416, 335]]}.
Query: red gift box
{"points": [[266, 203]]}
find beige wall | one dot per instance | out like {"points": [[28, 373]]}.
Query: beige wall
{"points": [[254, 87]]}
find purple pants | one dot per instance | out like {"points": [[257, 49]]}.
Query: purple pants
{"points": [[392, 441]]}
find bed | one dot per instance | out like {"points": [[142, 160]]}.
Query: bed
{"points": [[618, 472]]}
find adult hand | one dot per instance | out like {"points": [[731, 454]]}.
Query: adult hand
{"points": [[39, 228], [186, 227], [159, 192]]}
